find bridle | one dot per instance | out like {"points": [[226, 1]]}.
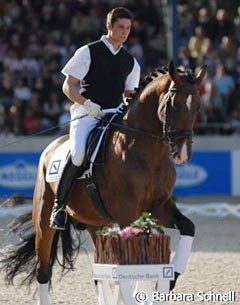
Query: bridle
{"points": [[172, 135]]}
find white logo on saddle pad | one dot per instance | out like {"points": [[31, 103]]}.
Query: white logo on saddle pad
{"points": [[57, 162], [55, 167]]}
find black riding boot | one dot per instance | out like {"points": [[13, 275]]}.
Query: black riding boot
{"points": [[58, 217]]}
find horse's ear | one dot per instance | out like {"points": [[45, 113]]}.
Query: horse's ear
{"points": [[173, 73], [201, 74]]}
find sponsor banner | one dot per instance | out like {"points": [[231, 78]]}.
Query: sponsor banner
{"points": [[133, 272], [208, 173], [17, 173]]}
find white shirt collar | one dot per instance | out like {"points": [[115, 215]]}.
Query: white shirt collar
{"points": [[109, 45]]}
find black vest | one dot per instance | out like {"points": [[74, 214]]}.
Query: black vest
{"points": [[107, 74]]}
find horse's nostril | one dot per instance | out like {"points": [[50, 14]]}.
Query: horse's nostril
{"points": [[176, 155]]}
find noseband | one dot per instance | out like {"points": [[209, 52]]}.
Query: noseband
{"points": [[170, 134]]}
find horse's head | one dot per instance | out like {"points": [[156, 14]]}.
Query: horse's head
{"points": [[178, 109]]}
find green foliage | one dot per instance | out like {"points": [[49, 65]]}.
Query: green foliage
{"points": [[146, 222]]}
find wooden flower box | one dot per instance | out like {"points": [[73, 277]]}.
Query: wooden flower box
{"points": [[137, 249]]}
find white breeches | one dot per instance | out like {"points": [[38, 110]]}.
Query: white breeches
{"points": [[79, 131]]}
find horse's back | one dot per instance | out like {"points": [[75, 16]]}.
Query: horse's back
{"points": [[50, 149]]}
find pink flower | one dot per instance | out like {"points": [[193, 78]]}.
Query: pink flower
{"points": [[129, 231], [126, 232], [136, 231]]}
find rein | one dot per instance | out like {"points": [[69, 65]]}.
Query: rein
{"points": [[120, 126], [133, 130]]}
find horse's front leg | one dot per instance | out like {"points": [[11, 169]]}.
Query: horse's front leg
{"points": [[170, 216], [187, 231]]}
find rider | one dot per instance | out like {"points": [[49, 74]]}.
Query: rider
{"points": [[98, 77]]}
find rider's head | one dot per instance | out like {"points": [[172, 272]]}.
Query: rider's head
{"points": [[119, 21]]}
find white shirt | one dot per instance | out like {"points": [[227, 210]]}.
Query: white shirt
{"points": [[78, 65]]}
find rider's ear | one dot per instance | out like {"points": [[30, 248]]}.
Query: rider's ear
{"points": [[109, 25], [201, 74], [173, 73]]}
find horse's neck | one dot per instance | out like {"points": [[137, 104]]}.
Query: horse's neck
{"points": [[143, 116], [143, 113], [143, 139], [145, 131]]}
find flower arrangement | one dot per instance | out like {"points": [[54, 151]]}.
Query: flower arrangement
{"points": [[143, 242]]}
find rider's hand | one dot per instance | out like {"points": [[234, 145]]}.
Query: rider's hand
{"points": [[93, 109]]}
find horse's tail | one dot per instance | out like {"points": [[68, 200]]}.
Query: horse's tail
{"points": [[22, 258]]}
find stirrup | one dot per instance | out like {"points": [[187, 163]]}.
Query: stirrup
{"points": [[58, 220]]}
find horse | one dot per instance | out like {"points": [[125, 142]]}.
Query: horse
{"points": [[138, 175]]}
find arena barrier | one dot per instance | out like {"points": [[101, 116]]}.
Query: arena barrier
{"points": [[212, 209], [132, 284]]}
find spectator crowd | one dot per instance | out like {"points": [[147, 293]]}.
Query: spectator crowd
{"points": [[38, 37]]}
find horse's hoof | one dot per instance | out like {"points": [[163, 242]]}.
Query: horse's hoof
{"points": [[173, 282]]}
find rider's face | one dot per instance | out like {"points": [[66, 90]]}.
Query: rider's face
{"points": [[120, 30]]}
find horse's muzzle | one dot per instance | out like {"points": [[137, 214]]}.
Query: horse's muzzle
{"points": [[181, 151]]}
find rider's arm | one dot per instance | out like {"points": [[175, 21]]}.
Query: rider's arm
{"points": [[132, 80], [75, 70], [71, 90]]}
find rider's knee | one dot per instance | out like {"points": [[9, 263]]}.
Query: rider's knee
{"points": [[77, 158]]}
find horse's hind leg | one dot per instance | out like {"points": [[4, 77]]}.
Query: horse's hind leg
{"points": [[43, 272], [170, 217], [44, 241]]}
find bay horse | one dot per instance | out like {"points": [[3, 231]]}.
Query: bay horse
{"points": [[138, 175]]}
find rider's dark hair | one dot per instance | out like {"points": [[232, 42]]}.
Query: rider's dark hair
{"points": [[117, 13]]}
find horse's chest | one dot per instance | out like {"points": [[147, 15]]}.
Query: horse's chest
{"points": [[162, 180]]}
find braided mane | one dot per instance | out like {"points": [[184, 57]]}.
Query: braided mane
{"points": [[185, 73]]}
